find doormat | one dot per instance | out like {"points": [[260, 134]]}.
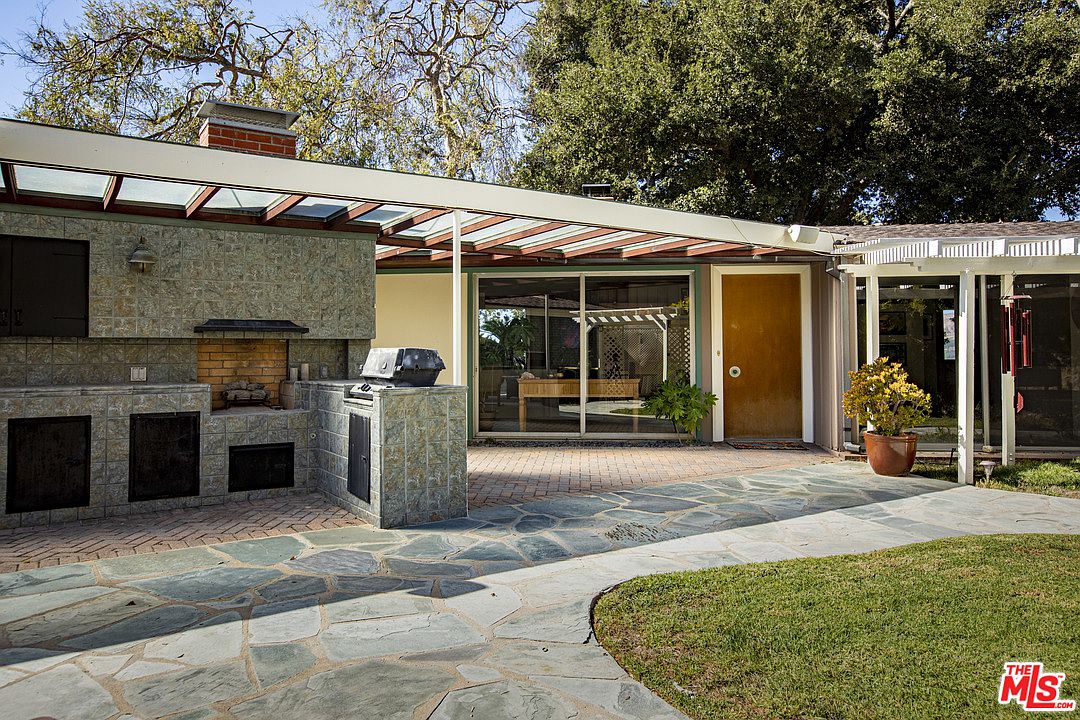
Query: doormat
{"points": [[766, 445]]}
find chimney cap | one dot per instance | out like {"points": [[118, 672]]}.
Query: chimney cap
{"points": [[597, 191], [247, 114]]}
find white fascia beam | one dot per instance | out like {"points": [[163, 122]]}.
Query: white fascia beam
{"points": [[48, 146], [1048, 265], [889, 270]]}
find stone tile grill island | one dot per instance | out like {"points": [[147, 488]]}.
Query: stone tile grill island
{"points": [[159, 377]]}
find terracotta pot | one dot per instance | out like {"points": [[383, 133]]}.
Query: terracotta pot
{"points": [[891, 455]]}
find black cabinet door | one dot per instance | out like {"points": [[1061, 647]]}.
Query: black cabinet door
{"points": [[48, 463], [359, 481], [164, 456], [5, 286], [50, 287], [261, 467]]}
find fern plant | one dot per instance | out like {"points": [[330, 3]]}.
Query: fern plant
{"points": [[683, 404]]}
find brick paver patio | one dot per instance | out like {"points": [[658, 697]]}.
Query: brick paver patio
{"points": [[498, 475], [505, 474], [34, 547]]}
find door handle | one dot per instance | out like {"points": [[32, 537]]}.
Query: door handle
{"points": [[734, 371], [3, 317], [18, 316]]}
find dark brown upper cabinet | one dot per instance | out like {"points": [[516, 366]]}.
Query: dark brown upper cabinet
{"points": [[44, 287]]}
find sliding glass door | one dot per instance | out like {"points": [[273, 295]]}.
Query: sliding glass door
{"points": [[566, 355], [638, 335], [528, 345]]}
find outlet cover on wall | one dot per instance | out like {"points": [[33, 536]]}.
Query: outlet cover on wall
{"points": [[138, 373]]}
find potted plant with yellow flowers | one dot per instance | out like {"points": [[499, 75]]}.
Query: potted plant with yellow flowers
{"points": [[882, 396]]}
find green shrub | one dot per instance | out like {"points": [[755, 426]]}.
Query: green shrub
{"points": [[685, 405], [882, 395]]}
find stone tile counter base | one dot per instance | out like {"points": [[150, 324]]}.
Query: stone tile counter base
{"points": [[110, 408], [418, 469]]}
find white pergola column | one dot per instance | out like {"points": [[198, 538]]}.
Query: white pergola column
{"points": [[965, 378], [1008, 392], [849, 333], [456, 307], [984, 362], [873, 319]]}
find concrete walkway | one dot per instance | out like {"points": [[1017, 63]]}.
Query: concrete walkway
{"points": [[485, 618]]}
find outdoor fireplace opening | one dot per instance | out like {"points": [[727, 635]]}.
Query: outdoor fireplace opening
{"points": [[243, 371]]}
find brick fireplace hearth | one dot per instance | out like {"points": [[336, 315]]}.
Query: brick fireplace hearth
{"points": [[224, 360]]}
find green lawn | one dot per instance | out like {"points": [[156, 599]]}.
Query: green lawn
{"points": [[1035, 476], [919, 632]]}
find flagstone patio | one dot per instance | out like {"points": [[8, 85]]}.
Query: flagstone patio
{"points": [[498, 475], [480, 618]]}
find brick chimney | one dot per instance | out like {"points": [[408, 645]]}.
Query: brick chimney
{"points": [[261, 131]]}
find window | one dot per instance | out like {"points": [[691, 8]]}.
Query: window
{"points": [[567, 355]]}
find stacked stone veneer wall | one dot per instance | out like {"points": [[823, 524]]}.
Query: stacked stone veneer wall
{"points": [[419, 467], [36, 361], [326, 283], [89, 361], [111, 407]]}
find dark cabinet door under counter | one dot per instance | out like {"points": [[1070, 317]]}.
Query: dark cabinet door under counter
{"points": [[48, 463], [163, 456]]}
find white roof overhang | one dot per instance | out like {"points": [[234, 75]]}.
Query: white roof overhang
{"points": [[950, 256], [287, 184]]}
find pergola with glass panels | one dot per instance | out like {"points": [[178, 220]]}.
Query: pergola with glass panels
{"points": [[415, 220]]}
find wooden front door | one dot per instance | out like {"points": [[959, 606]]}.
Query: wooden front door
{"points": [[762, 359]]}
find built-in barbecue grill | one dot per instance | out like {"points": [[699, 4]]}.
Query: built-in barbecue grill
{"points": [[397, 367]]}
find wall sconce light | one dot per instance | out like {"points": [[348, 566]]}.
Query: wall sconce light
{"points": [[142, 258]]}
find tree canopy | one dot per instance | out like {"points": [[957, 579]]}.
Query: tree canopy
{"points": [[397, 83], [801, 111], [783, 110]]}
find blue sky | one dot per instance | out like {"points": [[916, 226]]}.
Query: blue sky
{"points": [[22, 16]]}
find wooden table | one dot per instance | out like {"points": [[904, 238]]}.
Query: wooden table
{"points": [[560, 388]]}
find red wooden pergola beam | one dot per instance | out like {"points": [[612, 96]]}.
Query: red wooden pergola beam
{"points": [[112, 191], [710, 249], [281, 207], [743, 250], [471, 228], [593, 249], [660, 248], [411, 222], [346, 215], [11, 185], [503, 240], [548, 245], [201, 198]]}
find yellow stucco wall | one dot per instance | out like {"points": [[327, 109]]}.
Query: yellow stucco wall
{"points": [[413, 310]]}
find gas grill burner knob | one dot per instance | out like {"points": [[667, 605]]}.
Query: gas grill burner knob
{"points": [[365, 387]]}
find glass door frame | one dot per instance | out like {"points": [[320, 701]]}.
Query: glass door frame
{"points": [[583, 350]]}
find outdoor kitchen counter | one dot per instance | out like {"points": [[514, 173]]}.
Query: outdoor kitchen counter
{"points": [[121, 389]]}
